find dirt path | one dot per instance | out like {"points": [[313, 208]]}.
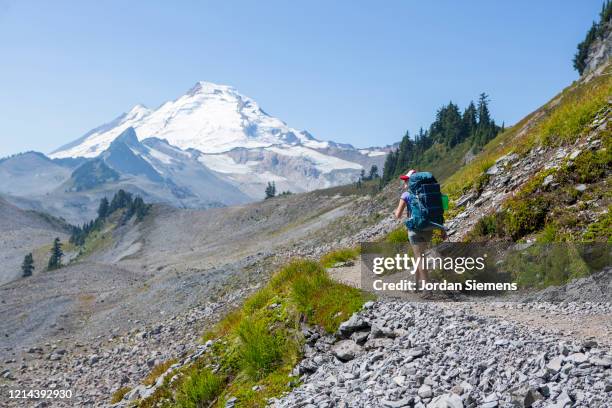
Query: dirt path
{"points": [[577, 324], [583, 321]]}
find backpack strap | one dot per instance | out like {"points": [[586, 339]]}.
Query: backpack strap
{"points": [[438, 225]]}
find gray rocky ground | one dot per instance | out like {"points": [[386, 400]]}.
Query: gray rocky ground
{"points": [[399, 354]]}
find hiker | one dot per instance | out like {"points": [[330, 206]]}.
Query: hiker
{"points": [[423, 201]]}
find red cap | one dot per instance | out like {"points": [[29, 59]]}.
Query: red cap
{"points": [[407, 175]]}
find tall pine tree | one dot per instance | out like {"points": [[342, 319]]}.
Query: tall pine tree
{"points": [[469, 120], [103, 209], [27, 267], [55, 260], [270, 190]]}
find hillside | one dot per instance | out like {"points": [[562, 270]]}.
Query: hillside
{"points": [[21, 232]]}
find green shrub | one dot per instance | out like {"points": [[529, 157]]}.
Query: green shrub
{"points": [[119, 394], [591, 166], [601, 230], [548, 234], [545, 265], [489, 225], [260, 349], [397, 236], [201, 388], [481, 182], [525, 216], [341, 255]]}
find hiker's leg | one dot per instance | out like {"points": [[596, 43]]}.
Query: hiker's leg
{"points": [[421, 274], [420, 241]]}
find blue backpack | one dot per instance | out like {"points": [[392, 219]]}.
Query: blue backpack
{"points": [[425, 202]]}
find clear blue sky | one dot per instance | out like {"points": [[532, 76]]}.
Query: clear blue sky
{"points": [[350, 71]]}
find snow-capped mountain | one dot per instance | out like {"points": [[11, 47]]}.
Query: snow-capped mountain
{"points": [[210, 118], [231, 135]]}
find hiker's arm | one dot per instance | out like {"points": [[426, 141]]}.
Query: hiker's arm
{"points": [[400, 209]]}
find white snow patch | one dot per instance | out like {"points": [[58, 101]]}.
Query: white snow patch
{"points": [[322, 161], [147, 159], [223, 163], [162, 157], [372, 153]]}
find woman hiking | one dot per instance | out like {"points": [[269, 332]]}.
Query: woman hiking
{"points": [[423, 217]]}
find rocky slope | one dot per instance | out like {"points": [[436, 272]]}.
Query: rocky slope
{"points": [[20, 233], [397, 354], [600, 51]]}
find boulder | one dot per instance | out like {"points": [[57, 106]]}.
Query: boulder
{"points": [[446, 401], [346, 350], [355, 323]]}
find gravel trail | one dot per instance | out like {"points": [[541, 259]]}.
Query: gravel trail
{"points": [[400, 354]]}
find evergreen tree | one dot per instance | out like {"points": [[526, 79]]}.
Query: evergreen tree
{"points": [[122, 199], [389, 167], [597, 31], [405, 153], [362, 175], [55, 260], [270, 190], [484, 117], [139, 208], [486, 129], [27, 267], [469, 120], [103, 208], [449, 129], [373, 172]]}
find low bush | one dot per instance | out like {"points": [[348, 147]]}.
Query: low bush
{"points": [[544, 265], [119, 394], [200, 389], [260, 349], [524, 216], [487, 226], [397, 236], [600, 230]]}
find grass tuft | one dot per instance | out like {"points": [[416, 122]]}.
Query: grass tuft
{"points": [[158, 370], [200, 389], [259, 343], [260, 350], [397, 236], [341, 255], [119, 394]]}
